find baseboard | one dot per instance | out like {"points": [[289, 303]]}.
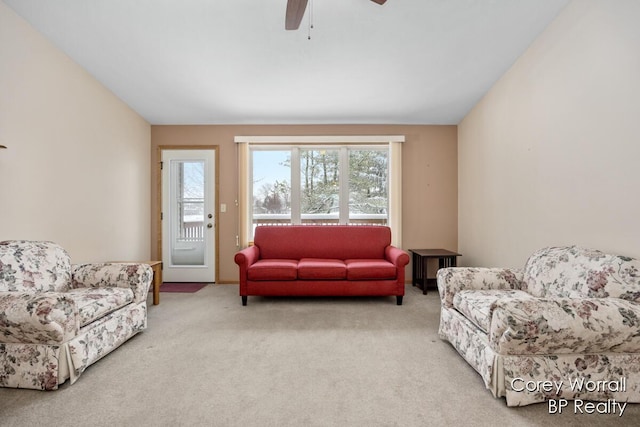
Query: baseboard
{"points": [[227, 282]]}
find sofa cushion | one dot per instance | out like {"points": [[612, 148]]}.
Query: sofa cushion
{"points": [[370, 269], [314, 268], [477, 305], [94, 303], [273, 269]]}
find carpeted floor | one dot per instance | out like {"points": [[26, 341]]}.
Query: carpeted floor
{"points": [[205, 360], [181, 287]]}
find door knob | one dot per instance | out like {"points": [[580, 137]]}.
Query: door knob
{"points": [[209, 225]]}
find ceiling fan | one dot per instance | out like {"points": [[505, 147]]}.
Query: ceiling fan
{"points": [[295, 11]]}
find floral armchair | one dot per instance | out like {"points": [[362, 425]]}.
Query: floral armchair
{"points": [[570, 320], [56, 319]]}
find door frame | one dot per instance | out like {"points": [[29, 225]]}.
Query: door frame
{"points": [[216, 149]]}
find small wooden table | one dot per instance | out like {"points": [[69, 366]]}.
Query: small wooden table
{"points": [[420, 264], [156, 266]]}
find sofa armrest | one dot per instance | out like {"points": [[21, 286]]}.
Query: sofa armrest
{"points": [[454, 279], [400, 259], [135, 276], [37, 318], [396, 256], [245, 258], [565, 325]]}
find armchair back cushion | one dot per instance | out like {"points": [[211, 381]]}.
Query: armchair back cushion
{"points": [[34, 267], [574, 272], [338, 242]]}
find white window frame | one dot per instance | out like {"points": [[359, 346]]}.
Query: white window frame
{"points": [[245, 198]]}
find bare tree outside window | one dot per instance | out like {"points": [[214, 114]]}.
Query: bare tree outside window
{"points": [[319, 171], [319, 194], [368, 182], [272, 185]]}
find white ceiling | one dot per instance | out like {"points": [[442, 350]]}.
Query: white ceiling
{"points": [[232, 62]]}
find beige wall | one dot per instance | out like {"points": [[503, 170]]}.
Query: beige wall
{"points": [[550, 155], [429, 173], [77, 167]]}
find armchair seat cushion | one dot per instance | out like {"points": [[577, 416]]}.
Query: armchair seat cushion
{"points": [[566, 326], [370, 269], [478, 305], [318, 268], [273, 269], [94, 303]]}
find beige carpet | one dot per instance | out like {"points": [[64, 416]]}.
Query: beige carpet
{"points": [[207, 361]]}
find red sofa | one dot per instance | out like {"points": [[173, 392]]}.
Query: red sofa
{"points": [[315, 260]]}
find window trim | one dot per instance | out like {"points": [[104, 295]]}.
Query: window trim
{"points": [[320, 139]]}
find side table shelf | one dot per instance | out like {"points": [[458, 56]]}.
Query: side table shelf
{"points": [[420, 261]]}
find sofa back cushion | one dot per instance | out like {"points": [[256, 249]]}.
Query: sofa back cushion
{"points": [[322, 241], [34, 267], [575, 272]]}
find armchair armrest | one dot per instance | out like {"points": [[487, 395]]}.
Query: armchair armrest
{"points": [[454, 279], [138, 277], [37, 318], [565, 325]]}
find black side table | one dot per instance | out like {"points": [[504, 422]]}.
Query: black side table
{"points": [[420, 261]]}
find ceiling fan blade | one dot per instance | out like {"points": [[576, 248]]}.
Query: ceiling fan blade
{"points": [[295, 11], [379, 1]]}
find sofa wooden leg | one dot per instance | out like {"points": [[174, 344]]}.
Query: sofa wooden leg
{"points": [[399, 299], [244, 300]]}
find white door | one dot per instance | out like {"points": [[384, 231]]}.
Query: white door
{"points": [[188, 215]]}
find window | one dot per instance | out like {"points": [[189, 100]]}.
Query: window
{"points": [[318, 180], [319, 185]]}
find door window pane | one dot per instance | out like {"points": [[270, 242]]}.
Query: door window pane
{"points": [[187, 197]]}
